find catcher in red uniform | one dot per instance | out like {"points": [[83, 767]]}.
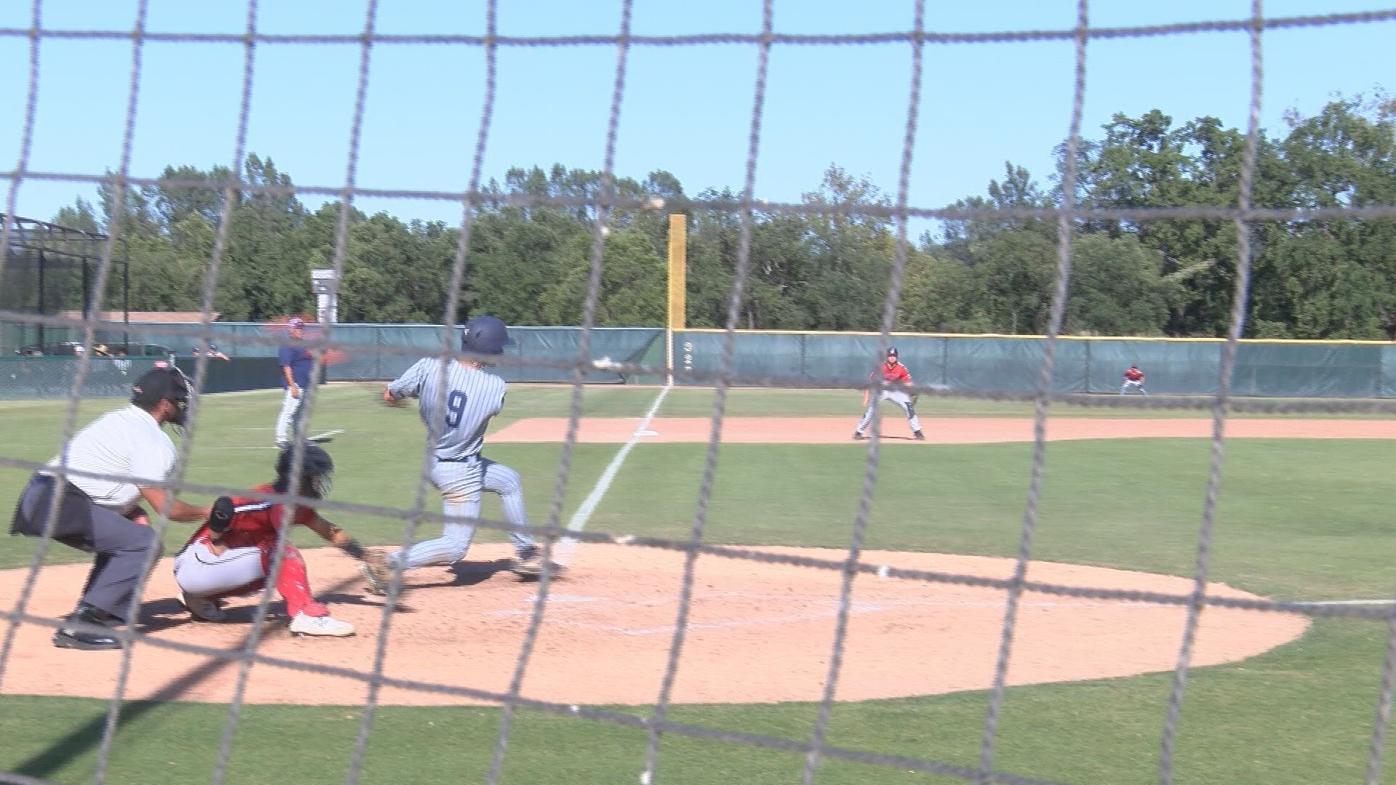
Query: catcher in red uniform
{"points": [[232, 553]]}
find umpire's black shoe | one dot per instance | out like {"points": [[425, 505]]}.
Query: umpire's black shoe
{"points": [[73, 638]]}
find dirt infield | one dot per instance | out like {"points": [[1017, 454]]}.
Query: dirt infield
{"points": [[938, 430], [758, 632]]}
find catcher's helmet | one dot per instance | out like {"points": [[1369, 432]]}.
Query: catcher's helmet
{"points": [[316, 469], [485, 335]]}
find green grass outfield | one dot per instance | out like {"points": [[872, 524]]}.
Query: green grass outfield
{"points": [[1297, 520]]}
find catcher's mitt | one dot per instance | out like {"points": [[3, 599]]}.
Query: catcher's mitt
{"points": [[377, 574]]}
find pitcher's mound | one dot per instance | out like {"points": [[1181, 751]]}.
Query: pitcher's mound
{"points": [[757, 632]]}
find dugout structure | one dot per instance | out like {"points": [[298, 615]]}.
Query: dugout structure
{"points": [[51, 269]]}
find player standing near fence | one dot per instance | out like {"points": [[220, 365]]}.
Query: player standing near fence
{"points": [[296, 363], [894, 374], [102, 515], [1133, 380], [456, 417]]}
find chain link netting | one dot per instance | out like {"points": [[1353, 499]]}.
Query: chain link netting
{"points": [[657, 722]]}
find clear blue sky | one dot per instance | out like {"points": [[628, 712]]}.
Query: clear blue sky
{"points": [[686, 109]]}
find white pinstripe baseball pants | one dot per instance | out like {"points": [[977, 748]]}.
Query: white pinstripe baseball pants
{"points": [[460, 484]]}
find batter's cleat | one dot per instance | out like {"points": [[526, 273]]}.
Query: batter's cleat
{"points": [[858, 436], [73, 638], [530, 564], [202, 608], [324, 626], [376, 585], [918, 436]]}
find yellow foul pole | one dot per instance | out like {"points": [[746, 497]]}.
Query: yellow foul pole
{"points": [[678, 266]]}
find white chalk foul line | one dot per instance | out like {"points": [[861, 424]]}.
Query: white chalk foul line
{"points": [[1322, 603], [562, 553]]}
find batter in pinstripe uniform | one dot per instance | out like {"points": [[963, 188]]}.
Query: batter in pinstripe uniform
{"points": [[456, 417]]}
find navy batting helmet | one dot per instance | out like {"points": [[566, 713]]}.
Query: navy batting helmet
{"points": [[485, 335], [316, 469]]}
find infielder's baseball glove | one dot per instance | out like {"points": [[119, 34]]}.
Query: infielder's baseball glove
{"points": [[914, 398], [377, 574]]}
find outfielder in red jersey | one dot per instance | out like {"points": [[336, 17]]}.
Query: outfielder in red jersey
{"points": [[894, 376], [232, 554], [1133, 379]]}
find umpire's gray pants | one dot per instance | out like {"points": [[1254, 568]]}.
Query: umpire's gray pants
{"points": [[122, 547]]}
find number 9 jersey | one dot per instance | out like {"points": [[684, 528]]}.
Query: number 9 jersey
{"points": [[456, 413]]}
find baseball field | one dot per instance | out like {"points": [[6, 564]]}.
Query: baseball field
{"points": [[1302, 516]]}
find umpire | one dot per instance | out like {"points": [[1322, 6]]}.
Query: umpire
{"points": [[115, 461]]}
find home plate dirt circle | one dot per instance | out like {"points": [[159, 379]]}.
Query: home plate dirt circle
{"points": [[757, 632]]}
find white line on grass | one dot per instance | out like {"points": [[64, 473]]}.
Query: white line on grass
{"points": [[1346, 602], [562, 553]]}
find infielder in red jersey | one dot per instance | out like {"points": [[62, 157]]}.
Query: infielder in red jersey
{"points": [[232, 554], [894, 375]]}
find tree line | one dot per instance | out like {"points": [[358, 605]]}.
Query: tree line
{"points": [[830, 270]]}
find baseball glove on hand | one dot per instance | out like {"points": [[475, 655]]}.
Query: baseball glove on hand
{"points": [[376, 571]]}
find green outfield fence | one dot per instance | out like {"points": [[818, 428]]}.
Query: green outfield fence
{"points": [[979, 363], [987, 363], [52, 377]]}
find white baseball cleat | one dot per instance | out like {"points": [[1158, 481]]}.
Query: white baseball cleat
{"points": [[327, 436], [202, 608], [327, 626]]}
